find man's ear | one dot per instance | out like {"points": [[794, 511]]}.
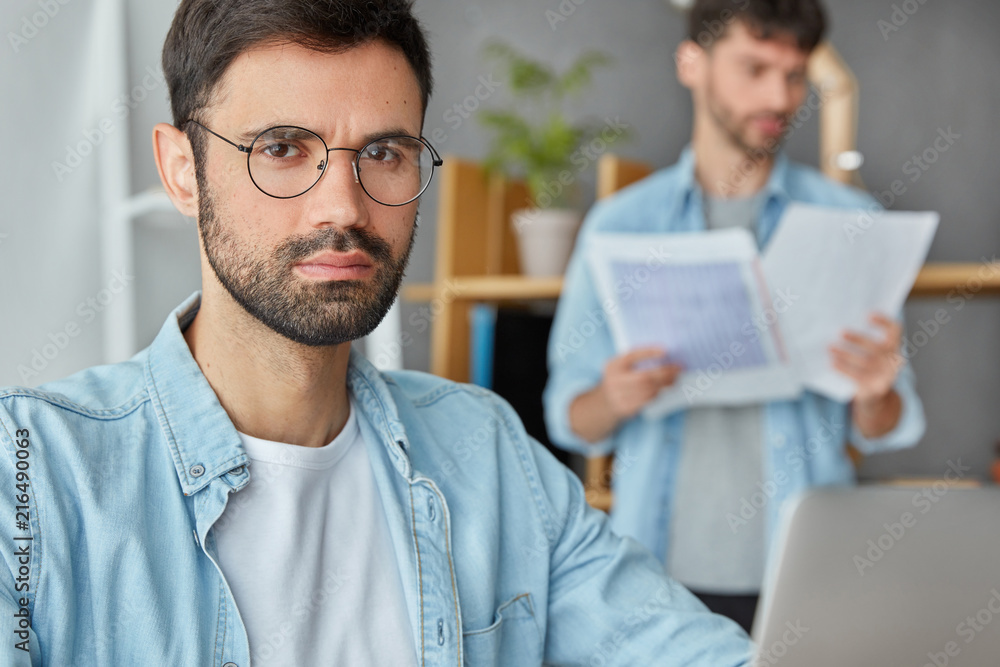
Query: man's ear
{"points": [[175, 162], [690, 58]]}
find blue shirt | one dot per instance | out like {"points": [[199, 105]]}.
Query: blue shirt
{"points": [[109, 557], [804, 439]]}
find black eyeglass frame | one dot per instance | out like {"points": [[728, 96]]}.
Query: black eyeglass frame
{"points": [[435, 163]]}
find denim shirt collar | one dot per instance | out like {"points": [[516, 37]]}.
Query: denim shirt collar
{"points": [[204, 442], [689, 203]]}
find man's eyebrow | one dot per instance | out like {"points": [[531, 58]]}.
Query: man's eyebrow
{"points": [[390, 132], [254, 132], [749, 59]]}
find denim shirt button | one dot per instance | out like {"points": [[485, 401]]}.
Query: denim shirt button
{"points": [[197, 471], [238, 470], [230, 664]]}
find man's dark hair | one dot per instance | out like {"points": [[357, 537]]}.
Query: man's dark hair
{"points": [[208, 35], [803, 20]]}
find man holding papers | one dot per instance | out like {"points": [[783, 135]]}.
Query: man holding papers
{"points": [[702, 486]]}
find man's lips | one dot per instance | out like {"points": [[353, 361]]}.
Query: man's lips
{"points": [[771, 126], [336, 266]]}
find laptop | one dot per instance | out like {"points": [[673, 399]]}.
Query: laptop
{"points": [[884, 577]]}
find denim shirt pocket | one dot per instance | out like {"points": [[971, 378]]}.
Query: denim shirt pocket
{"points": [[513, 638]]}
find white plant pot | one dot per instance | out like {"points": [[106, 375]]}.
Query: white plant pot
{"points": [[545, 239]]}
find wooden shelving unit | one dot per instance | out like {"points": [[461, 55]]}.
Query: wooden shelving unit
{"points": [[477, 262], [934, 280]]}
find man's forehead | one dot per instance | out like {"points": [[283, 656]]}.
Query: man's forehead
{"points": [[743, 40], [291, 84]]}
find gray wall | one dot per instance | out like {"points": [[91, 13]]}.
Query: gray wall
{"points": [[939, 70]]}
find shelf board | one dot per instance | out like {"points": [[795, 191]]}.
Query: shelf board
{"points": [[938, 279], [600, 499], [935, 279], [486, 288]]}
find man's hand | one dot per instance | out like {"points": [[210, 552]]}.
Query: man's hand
{"points": [[630, 381], [873, 365]]}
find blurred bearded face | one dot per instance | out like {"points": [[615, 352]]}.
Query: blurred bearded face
{"points": [[752, 87]]}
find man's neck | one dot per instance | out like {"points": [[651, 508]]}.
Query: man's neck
{"points": [[271, 387], [724, 169]]}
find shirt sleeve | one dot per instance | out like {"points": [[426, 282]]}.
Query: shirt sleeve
{"points": [[910, 427], [610, 601], [579, 346]]}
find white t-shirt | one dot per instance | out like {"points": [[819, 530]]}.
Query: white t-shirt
{"points": [[305, 548]]}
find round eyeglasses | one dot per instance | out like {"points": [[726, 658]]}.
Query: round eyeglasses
{"points": [[287, 161]]}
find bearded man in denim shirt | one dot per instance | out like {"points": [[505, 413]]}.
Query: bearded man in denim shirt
{"points": [[248, 490], [702, 487]]}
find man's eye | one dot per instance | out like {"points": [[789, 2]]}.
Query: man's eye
{"points": [[280, 150], [379, 153]]}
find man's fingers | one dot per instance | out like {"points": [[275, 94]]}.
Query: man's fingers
{"points": [[867, 344], [886, 323], [629, 359], [643, 353], [845, 359]]}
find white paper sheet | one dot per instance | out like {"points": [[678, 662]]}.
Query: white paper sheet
{"points": [[750, 330], [840, 266], [702, 298]]}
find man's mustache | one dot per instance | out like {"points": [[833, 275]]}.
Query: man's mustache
{"points": [[335, 240]]}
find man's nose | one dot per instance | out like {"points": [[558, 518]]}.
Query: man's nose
{"points": [[779, 93], [338, 199]]}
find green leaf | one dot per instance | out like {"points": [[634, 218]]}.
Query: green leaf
{"points": [[539, 151], [581, 73]]}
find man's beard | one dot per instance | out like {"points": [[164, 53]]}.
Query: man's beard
{"points": [[736, 132], [307, 312]]}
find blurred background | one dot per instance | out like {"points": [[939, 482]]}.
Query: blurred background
{"points": [[81, 92]]}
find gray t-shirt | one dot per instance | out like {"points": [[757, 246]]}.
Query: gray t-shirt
{"points": [[721, 463]]}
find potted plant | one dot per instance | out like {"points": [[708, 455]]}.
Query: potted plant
{"points": [[536, 141]]}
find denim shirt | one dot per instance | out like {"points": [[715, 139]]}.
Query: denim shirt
{"points": [[127, 467], [804, 439]]}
